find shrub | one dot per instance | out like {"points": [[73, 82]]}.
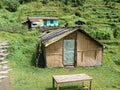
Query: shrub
{"points": [[102, 34], [24, 1], [67, 9], [77, 13], [0, 4], [44, 1], [11, 5], [116, 32]]}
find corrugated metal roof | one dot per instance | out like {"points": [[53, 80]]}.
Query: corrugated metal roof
{"points": [[56, 35], [32, 19]]}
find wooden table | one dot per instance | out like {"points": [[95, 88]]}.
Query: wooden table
{"points": [[61, 79]]}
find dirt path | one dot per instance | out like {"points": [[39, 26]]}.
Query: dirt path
{"points": [[4, 69], [5, 84]]}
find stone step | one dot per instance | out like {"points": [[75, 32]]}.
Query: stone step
{"points": [[2, 77], [4, 54], [2, 58], [3, 50], [5, 68], [4, 43], [3, 62], [3, 47], [4, 72]]}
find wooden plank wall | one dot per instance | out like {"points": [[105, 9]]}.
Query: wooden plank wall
{"points": [[54, 54], [89, 53]]}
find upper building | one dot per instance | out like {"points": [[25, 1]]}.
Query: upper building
{"points": [[41, 21]]}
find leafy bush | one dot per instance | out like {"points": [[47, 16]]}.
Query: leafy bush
{"points": [[116, 32], [102, 34], [0, 4], [22, 47], [77, 13], [11, 5], [24, 1], [12, 27], [67, 9], [44, 1], [115, 58]]}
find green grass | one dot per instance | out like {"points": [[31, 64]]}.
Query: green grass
{"points": [[30, 78]]}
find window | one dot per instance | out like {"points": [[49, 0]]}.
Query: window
{"points": [[51, 21]]}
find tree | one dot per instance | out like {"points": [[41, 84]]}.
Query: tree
{"points": [[78, 2], [44, 1], [25, 1], [66, 2], [107, 1], [11, 5]]}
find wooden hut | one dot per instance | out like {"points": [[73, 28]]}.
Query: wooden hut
{"points": [[71, 47]]}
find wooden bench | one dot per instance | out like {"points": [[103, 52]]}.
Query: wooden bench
{"points": [[61, 79]]}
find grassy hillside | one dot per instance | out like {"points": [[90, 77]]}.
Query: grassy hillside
{"points": [[102, 21], [94, 13]]}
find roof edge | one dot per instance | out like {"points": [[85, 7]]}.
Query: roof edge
{"points": [[49, 43], [76, 29]]}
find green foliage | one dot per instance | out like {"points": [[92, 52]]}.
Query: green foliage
{"points": [[44, 1], [11, 5], [10, 27], [102, 34], [116, 32], [10, 23], [22, 47], [107, 2], [112, 51], [78, 2], [0, 4], [67, 9], [24, 1], [115, 58]]}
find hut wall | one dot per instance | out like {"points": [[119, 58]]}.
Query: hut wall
{"points": [[54, 55], [89, 53], [54, 52], [71, 36]]}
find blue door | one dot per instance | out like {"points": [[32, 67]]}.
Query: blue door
{"points": [[69, 48]]}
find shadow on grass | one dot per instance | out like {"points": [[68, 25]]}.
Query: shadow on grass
{"points": [[66, 88]]}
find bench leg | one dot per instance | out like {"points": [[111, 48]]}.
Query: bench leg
{"points": [[53, 82], [82, 83], [57, 86], [91, 85]]}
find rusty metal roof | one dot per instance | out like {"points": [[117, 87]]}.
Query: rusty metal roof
{"points": [[49, 38], [32, 19]]}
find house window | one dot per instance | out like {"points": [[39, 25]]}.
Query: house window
{"points": [[51, 21], [34, 24]]}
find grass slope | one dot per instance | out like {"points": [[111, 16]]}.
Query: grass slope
{"points": [[24, 76], [31, 78]]}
